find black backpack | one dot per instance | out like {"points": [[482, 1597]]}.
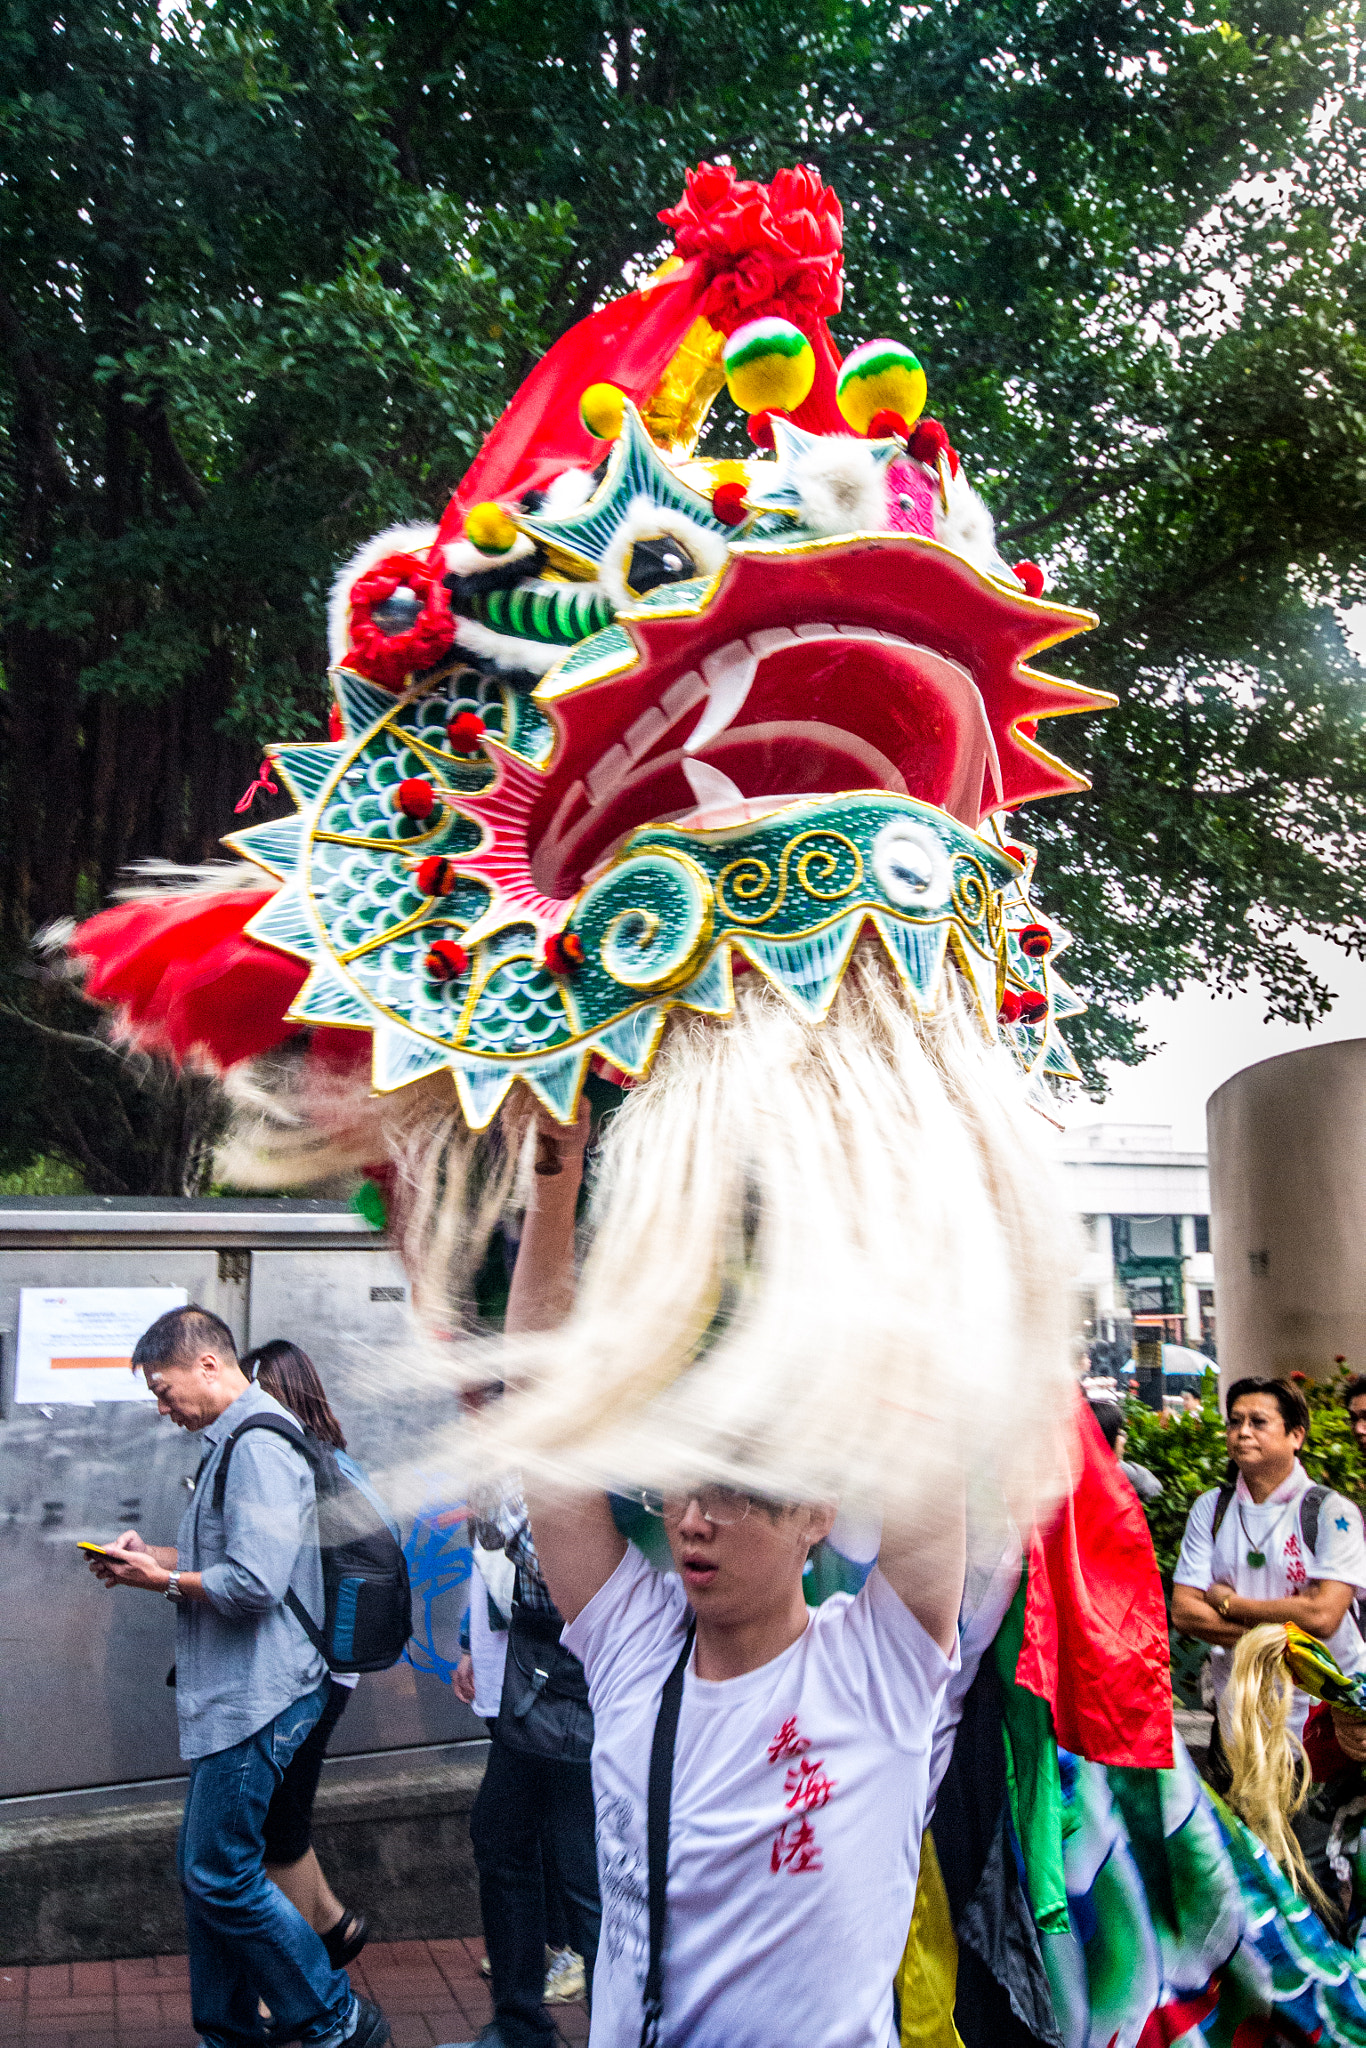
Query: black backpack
{"points": [[368, 1607]]}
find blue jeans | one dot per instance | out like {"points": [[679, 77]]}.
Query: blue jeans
{"points": [[246, 1940]]}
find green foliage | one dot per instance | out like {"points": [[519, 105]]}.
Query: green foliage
{"points": [[268, 272], [1189, 1454], [43, 1176]]}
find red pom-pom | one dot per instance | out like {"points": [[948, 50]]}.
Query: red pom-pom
{"points": [[889, 426], [1016, 853], [728, 503], [436, 876], [445, 960], [465, 731], [1009, 1009], [1035, 940], [415, 798], [929, 441], [563, 952], [1032, 577], [1033, 1008], [336, 728], [760, 427]]}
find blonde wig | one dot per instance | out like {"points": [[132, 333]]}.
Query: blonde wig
{"points": [[823, 1261], [1267, 1759]]}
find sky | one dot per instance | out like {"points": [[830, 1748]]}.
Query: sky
{"points": [[1205, 1038]]}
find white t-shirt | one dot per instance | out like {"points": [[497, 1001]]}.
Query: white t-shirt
{"points": [[1273, 1531], [799, 1795], [488, 1645]]}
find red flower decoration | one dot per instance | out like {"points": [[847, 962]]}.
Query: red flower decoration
{"points": [[769, 249], [390, 658]]}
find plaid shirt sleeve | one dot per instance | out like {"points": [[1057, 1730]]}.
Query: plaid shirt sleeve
{"points": [[511, 1525]]}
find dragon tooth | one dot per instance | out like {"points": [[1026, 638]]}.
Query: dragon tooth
{"points": [[709, 786], [729, 673]]}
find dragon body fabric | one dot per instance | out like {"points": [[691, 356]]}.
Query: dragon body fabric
{"points": [[687, 783]]}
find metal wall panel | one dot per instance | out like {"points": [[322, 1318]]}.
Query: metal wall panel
{"points": [[83, 1701]]}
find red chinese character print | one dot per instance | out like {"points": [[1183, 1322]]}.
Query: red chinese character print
{"points": [[1295, 1573], [795, 1848], [807, 1786], [787, 1742]]}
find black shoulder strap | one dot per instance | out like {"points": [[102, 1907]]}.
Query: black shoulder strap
{"points": [[657, 1833], [1311, 1507], [1221, 1508], [220, 1482], [277, 1427]]}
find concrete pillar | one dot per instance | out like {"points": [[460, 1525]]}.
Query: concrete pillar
{"points": [[1287, 1163]]}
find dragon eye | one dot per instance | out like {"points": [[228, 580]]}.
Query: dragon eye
{"points": [[397, 612], [659, 559]]}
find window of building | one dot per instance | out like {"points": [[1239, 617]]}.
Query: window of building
{"points": [[1139, 1238], [1202, 1233]]}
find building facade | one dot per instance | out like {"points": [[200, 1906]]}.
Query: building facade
{"points": [[1147, 1271]]}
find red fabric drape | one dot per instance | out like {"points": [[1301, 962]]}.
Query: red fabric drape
{"points": [[184, 979], [1095, 1634]]}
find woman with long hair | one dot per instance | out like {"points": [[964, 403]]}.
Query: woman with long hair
{"points": [[290, 1375]]}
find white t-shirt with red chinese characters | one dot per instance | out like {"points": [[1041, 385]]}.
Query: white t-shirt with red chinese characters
{"points": [[1271, 1532], [799, 1795]]}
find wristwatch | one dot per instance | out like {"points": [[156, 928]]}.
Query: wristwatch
{"points": [[1223, 1605], [173, 1587]]}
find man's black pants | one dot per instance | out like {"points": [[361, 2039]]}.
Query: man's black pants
{"points": [[531, 1807]]}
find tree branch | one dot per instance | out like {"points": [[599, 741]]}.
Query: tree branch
{"points": [[169, 466], [33, 390]]}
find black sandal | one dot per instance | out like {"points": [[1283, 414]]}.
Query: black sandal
{"points": [[343, 1947]]}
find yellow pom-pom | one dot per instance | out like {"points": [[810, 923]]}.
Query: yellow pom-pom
{"points": [[602, 410], [490, 529], [882, 376], [770, 366]]}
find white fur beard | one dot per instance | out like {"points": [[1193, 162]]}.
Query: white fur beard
{"points": [[827, 1262]]}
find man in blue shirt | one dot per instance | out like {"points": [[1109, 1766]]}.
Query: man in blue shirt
{"points": [[249, 1687]]}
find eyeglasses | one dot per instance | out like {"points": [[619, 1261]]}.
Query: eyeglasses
{"points": [[722, 1506]]}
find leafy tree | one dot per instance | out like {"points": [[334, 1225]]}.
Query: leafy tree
{"points": [[268, 271]]}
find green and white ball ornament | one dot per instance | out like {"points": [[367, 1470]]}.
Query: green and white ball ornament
{"points": [[881, 376], [770, 366]]}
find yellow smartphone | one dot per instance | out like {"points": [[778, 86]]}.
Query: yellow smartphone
{"points": [[97, 1549]]}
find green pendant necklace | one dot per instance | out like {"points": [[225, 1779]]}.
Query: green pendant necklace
{"points": [[1255, 1557]]}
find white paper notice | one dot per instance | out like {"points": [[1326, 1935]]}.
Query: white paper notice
{"points": [[76, 1343]]}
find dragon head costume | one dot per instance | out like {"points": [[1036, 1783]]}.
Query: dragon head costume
{"points": [[695, 774]]}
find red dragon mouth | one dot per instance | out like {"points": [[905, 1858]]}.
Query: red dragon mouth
{"points": [[878, 662]]}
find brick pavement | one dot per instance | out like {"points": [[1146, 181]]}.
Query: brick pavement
{"points": [[431, 1990]]}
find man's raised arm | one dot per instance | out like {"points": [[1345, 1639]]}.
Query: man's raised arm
{"points": [[577, 1542]]}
